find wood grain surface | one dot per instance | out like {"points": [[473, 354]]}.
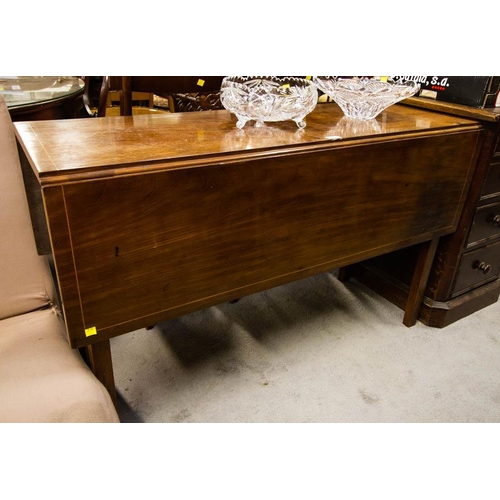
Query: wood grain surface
{"points": [[151, 217]]}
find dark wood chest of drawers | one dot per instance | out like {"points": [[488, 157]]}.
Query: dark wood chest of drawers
{"points": [[465, 275]]}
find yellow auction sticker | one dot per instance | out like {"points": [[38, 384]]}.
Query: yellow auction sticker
{"points": [[90, 331]]}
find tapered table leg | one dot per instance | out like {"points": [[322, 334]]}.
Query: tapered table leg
{"points": [[101, 364], [344, 274], [426, 255]]}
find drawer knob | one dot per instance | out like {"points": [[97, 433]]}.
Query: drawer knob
{"points": [[494, 219], [481, 266]]}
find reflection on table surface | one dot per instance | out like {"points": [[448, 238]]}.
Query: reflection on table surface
{"points": [[26, 90]]}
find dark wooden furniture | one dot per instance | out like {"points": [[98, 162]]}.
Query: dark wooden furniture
{"points": [[43, 97], [194, 101], [465, 274], [183, 93], [155, 216], [201, 89]]}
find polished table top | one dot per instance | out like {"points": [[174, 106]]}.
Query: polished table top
{"points": [[25, 91], [67, 149]]}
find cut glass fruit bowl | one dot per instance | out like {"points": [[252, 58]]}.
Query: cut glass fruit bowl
{"points": [[268, 98], [364, 98]]}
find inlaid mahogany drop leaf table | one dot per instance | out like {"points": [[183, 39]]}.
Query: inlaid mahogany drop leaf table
{"points": [[154, 216]]}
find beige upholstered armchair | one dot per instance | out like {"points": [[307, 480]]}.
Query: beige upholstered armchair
{"points": [[41, 378]]}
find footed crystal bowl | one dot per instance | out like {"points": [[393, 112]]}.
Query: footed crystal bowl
{"points": [[364, 98], [268, 98]]}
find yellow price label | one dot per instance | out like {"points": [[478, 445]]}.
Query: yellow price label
{"points": [[200, 83], [90, 331]]}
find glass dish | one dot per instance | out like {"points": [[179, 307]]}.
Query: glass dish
{"points": [[364, 98], [354, 127], [268, 99]]}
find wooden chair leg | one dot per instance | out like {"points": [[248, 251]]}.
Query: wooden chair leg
{"points": [[101, 364], [425, 258]]}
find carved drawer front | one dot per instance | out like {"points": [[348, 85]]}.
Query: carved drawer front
{"points": [[492, 183], [478, 267], [486, 223]]}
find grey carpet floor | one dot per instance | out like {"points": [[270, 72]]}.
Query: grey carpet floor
{"points": [[316, 350]]}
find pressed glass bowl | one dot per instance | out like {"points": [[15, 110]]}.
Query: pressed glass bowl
{"points": [[364, 98], [268, 99]]}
